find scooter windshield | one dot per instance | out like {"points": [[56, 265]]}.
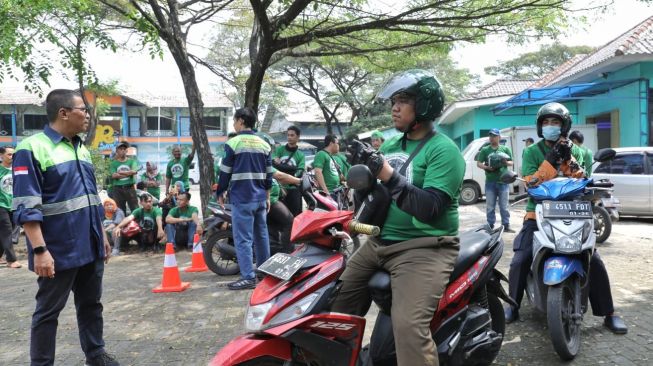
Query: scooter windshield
{"points": [[559, 189]]}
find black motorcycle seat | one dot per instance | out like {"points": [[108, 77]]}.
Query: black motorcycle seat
{"points": [[472, 245]]}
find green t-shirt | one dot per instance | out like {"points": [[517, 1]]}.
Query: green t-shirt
{"points": [[154, 191], [275, 191], [588, 160], [341, 159], [123, 166], [186, 213], [438, 165], [6, 187], [177, 171], [327, 163], [484, 156], [147, 219], [533, 158], [287, 157]]}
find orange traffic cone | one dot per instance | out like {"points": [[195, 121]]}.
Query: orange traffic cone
{"points": [[197, 263], [171, 281]]}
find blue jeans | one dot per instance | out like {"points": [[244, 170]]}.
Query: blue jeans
{"points": [[494, 191], [171, 231], [86, 283], [250, 228]]}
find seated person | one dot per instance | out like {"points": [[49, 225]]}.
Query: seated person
{"points": [[183, 222], [112, 217], [149, 219]]}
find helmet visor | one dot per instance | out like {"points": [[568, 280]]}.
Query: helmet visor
{"points": [[405, 82]]}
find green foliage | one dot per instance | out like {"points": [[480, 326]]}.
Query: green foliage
{"points": [[101, 164], [535, 65]]}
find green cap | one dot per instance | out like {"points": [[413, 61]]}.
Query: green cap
{"points": [[377, 135]]}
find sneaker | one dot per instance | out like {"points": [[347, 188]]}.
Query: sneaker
{"points": [[507, 229], [615, 324], [103, 359], [115, 253], [242, 284], [511, 314]]}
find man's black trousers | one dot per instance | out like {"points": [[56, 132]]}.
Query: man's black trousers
{"points": [[51, 297]]}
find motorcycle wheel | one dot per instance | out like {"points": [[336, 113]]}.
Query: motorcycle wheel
{"points": [[564, 332], [213, 258], [602, 223]]}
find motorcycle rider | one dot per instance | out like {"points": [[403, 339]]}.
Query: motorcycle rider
{"points": [[418, 244], [541, 162]]}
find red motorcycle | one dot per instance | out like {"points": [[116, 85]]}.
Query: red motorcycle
{"points": [[288, 320]]}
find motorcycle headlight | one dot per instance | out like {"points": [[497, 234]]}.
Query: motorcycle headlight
{"points": [[255, 316], [568, 244], [295, 310], [548, 230], [587, 229]]}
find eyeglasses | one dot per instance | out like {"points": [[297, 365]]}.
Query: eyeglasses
{"points": [[83, 109]]}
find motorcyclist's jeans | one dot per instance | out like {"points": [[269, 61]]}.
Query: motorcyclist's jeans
{"points": [[600, 295], [249, 226], [420, 270]]}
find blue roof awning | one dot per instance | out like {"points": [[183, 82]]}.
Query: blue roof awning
{"points": [[563, 93]]}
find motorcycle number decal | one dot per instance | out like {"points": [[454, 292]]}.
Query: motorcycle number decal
{"points": [[332, 325]]}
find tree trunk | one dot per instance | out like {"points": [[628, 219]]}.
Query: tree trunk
{"points": [[260, 54], [197, 129]]}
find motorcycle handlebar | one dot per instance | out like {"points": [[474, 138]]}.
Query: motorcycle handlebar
{"points": [[360, 228]]}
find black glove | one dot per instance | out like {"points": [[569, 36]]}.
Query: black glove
{"points": [[363, 153], [560, 152]]}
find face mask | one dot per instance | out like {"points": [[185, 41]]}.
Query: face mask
{"points": [[551, 133]]}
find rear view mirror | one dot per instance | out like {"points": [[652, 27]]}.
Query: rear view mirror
{"points": [[508, 177], [604, 155], [360, 178]]}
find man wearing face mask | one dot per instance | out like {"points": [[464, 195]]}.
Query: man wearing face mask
{"points": [[541, 162]]}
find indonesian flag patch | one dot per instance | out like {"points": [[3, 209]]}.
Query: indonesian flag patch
{"points": [[20, 170]]}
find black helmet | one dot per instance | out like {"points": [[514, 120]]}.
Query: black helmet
{"points": [[421, 84], [558, 111]]}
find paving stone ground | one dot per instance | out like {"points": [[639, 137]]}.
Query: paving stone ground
{"points": [[188, 328]]}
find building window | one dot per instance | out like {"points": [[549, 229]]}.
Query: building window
{"points": [[184, 126], [153, 123], [134, 126], [35, 121], [212, 123], [5, 124]]}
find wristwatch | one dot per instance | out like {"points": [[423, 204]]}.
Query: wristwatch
{"points": [[40, 249]]}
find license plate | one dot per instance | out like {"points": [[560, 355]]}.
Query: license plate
{"points": [[567, 210], [282, 266]]}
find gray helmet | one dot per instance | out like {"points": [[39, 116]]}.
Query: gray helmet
{"points": [[558, 111]]}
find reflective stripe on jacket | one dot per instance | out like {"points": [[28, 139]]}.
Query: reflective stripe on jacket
{"points": [[247, 165], [54, 183]]}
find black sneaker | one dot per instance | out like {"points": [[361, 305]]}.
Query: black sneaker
{"points": [[242, 284], [507, 229], [103, 359]]}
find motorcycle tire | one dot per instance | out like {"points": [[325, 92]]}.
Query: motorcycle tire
{"points": [[565, 334], [602, 223], [213, 258]]}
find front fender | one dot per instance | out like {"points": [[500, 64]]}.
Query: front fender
{"points": [[249, 347], [559, 268]]}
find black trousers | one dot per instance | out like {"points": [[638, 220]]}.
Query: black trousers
{"points": [[86, 283], [600, 295], [124, 195], [6, 228], [280, 218], [293, 200]]}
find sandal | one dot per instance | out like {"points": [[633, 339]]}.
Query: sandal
{"points": [[3, 262], [14, 265]]}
